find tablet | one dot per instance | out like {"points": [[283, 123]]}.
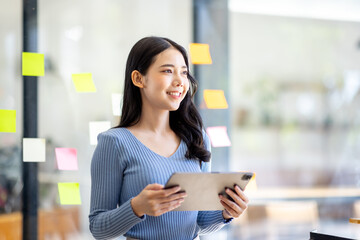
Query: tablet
{"points": [[203, 188]]}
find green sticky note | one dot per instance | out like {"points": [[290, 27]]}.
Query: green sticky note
{"points": [[83, 82], [33, 64], [69, 193], [7, 120]]}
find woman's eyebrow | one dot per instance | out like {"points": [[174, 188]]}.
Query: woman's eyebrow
{"points": [[171, 65]]}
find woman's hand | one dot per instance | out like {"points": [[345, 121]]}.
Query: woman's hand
{"points": [[234, 209], [154, 200]]}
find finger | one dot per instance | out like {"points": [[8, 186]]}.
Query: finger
{"points": [[238, 200], [231, 211], [170, 191], [175, 196], [235, 207], [233, 195], [154, 186], [166, 207], [241, 194]]}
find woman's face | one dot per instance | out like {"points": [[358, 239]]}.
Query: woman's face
{"points": [[165, 83]]}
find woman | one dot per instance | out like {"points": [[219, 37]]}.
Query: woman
{"points": [[160, 132]]}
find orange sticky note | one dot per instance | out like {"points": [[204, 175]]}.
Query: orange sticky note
{"points": [[218, 136], [215, 99], [7, 120], [200, 53], [83, 82], [69, 193], [66, 158], [33, 64]]}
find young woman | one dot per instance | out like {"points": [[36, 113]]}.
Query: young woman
{"points": [[160, 132]]}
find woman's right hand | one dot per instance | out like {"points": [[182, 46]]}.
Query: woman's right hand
{"points": [[154, 200]]}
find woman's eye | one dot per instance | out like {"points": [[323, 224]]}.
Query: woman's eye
{"points": [[167, 71], [185, 72]]}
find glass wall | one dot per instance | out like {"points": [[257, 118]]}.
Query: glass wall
{"points": [[75, 37], [295, 82], [293, 97]]}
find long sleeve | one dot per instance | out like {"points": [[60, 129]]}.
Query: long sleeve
{"points": [[210, 221], [107, 167]]}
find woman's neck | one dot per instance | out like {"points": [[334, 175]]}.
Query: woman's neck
{"points": [[156, 121]]}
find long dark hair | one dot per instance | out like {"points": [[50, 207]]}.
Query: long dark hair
{"points": [[185, 121]]}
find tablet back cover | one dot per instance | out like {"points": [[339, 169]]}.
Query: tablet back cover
{"points": [[203, 188]]}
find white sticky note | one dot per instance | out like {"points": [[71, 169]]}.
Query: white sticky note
{"points": [[117, 99], [96, 128], [34, 150], [218, 136]]}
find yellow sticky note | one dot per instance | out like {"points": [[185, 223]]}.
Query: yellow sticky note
{"points": [[83, 82], [215, 99], [33, 64], [7, 120], [200, 53], [69, 193]]}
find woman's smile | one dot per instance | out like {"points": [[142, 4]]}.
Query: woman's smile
{"points": [[174, 94]]}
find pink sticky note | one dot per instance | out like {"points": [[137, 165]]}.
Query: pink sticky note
{"points": [[218, 136], [66, 158]]}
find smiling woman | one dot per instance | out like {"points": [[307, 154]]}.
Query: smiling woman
{"points": [[160, 132]]}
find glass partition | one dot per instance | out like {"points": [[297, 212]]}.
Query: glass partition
{"points": [[295, 84]]}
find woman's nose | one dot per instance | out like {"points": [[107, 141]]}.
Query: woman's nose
{"points": [[179, 84], [178, 81]]}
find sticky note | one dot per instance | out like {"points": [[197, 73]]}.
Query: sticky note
{"points": [[252, 186], [34, 150], [215, 99], [200, 53], [117, 103], [69, 193], [33, 64], [66, 158], [7, 120], [83, 82], [218, 136], [96, 128]]}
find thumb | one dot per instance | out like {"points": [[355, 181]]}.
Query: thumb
{"points": [[154, 186]]}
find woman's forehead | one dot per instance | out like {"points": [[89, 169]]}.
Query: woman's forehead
{"points": [[170, 56]]}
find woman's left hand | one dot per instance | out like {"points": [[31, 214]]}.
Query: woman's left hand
{"points": [[234, 209]]}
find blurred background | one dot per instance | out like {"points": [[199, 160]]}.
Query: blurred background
{"points": [[291, 79]]}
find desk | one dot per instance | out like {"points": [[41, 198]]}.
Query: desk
{"points": [[266, 194], [315, 235]]}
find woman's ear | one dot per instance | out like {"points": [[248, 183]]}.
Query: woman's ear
{"points": [[137, 79]]}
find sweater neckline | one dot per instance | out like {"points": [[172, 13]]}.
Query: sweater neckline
{"points": [[148, 149]]}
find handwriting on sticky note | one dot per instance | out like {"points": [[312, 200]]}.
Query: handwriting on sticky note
{"points": [[33, 64], [215, 99], [218, 136], [7, 120], [34, 149], [200, 53], [117, 103], [69, 193], [83, 82], [66, 158], [97, 127]]}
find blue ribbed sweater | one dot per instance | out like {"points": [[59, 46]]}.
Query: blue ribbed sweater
{"points": [[121, 167]]}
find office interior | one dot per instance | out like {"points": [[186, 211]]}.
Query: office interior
{"points": [[291, 78]]}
